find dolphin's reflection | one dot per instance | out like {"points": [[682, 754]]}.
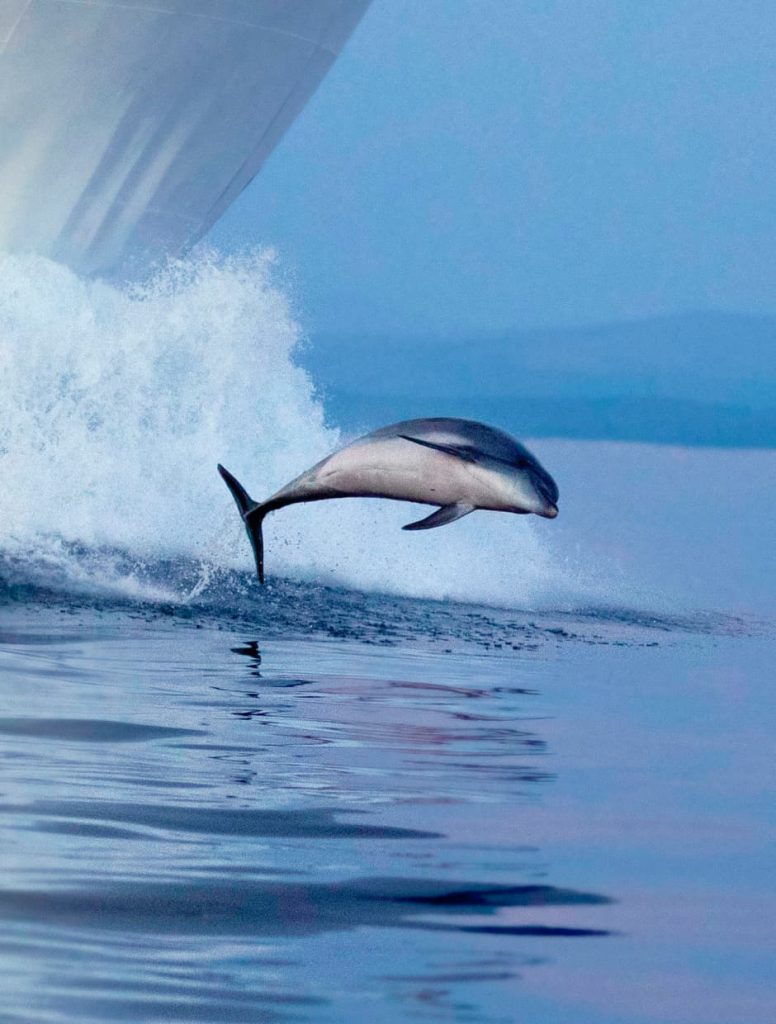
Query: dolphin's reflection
{"points": [[250, 649]]}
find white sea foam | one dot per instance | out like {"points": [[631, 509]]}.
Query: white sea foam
{"points": [[117, 405]]}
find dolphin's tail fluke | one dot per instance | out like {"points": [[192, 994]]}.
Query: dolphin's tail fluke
{"points": [[252, 513]]}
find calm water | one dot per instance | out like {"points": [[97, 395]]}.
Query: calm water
{"points": [[205, 823]]}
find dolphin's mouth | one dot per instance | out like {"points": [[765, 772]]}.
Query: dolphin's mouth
{"points": [[547, 491]]}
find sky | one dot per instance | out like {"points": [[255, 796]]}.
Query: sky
{"points": [[479, 165]]}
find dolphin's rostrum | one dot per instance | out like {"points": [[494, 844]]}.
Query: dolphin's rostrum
{"points": [[458, 465]]}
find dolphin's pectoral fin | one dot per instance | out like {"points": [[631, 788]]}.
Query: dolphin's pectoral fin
{"points": [[467, 454], [441, 517]]}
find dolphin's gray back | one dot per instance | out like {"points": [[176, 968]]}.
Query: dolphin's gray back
{"points": [[477, 439], [467, 434], [488, 441]]}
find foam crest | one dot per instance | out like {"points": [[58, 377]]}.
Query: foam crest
{"points": [[118, 403]]}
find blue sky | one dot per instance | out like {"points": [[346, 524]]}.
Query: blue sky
{"points": [[471, 165]]}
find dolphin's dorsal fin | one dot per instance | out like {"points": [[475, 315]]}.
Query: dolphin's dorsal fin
{"points": [[441, 517], [460, 451]]}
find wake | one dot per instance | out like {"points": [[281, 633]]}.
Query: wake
{"points": [[118, 403]]}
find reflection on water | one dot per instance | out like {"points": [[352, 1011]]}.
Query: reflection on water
{"points": [[201, 826], [240, 905]]}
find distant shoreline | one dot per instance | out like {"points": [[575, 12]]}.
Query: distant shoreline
{"points": [[696, 379], [635, 420]]}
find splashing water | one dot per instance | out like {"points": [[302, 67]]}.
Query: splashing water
{"points": [[118, 403]]}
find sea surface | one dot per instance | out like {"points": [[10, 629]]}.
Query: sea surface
{"points": [[507, 771], [405, 812]]}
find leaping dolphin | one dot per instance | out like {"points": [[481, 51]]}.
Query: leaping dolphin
{"points": [[459, 465]]}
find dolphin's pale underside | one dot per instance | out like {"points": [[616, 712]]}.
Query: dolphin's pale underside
{"points": [[457, 465]]}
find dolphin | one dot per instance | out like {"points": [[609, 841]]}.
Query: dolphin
{"points": [[457, 465]]}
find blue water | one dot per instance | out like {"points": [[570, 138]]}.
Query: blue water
{"points": [[514, 816], [509, 770]]}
